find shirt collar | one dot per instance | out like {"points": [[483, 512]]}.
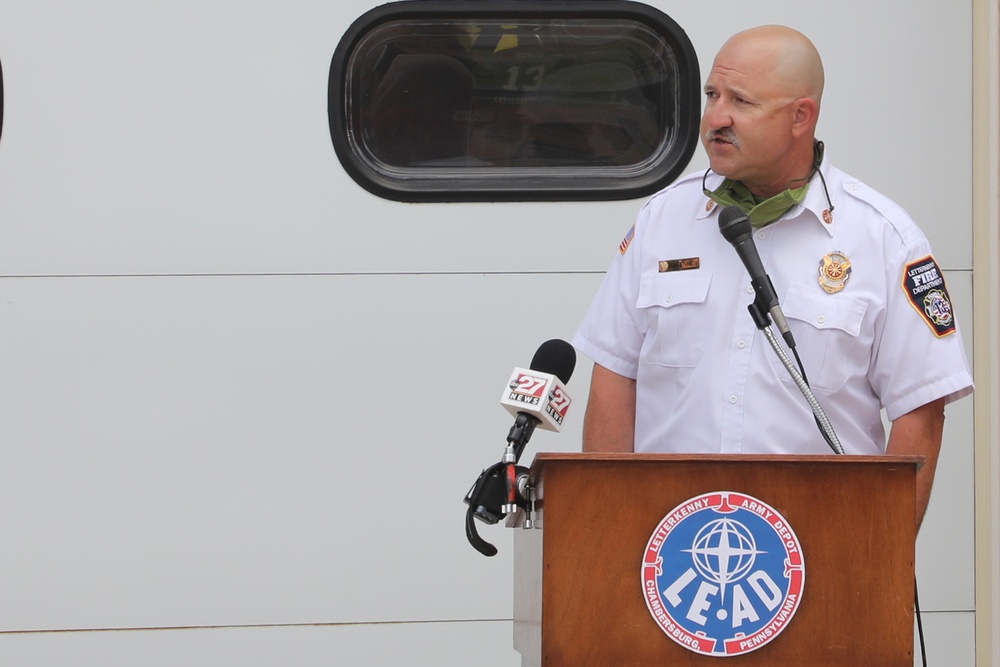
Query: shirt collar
{"points": [[816, 205]]}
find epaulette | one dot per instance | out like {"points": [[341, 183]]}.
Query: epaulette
{"points": [[682, 181], [893, 213]]}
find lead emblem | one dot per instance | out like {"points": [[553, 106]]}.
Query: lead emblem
{"points": [[723, 573], [834, 270]]}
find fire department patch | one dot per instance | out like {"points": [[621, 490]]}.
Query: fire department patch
{"points": [[723, 574], [923, 282]]}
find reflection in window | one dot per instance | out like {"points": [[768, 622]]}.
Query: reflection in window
{"points": [[555, 107]]}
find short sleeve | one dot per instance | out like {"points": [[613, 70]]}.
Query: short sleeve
{"points": [[612, 331], [921, 356]]}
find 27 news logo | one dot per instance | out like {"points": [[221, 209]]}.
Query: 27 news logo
{"points": [[558, 404], [530, 390], [527, 389]]}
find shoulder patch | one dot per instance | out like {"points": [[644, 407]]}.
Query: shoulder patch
{"points": [[627, 241], [924, 285]]}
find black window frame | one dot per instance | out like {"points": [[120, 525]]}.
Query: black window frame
{"points": [[508, 185]]}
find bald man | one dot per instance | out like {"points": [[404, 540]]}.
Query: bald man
{"points": [[680, 365], [762, 104]]}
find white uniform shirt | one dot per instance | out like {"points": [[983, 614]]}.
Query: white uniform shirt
{"points": [[707, 381]]}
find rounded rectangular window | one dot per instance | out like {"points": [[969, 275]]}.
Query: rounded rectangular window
{"points": [[458, 101]]}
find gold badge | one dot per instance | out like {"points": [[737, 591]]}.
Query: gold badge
{"points": [[710, 205], [828, 216], [834, 270]]}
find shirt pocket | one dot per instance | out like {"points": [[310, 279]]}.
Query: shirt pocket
{"points": [[672, 303], [827, 330]]}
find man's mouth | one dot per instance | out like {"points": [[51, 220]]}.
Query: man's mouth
{"points": [[722, 138]]}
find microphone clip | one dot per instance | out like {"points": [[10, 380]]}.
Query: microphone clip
{"points": [[758, 312], [489, 500], [503, 487], [765, 308]]}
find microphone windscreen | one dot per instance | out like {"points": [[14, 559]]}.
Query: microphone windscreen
{"points": [[555, 357], [733, 223]]}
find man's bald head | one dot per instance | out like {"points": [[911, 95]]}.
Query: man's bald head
{"points": [[781, 54]]}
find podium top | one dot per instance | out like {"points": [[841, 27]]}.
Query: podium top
{"points": [[543, 458]]}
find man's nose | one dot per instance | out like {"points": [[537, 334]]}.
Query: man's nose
{"points": [[717, 116]]}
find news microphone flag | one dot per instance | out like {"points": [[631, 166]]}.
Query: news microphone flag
{"points": [[541, 395]]}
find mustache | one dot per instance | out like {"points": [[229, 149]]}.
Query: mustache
{"points": [[725, 133]]}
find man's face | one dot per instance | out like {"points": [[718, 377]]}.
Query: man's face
{"points": [[746, 128]]}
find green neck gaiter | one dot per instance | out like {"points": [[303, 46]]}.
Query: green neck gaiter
{"points": [[761, 213]]}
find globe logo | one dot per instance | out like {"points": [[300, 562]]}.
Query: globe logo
{"points": [[723, 574], [724, 552]]}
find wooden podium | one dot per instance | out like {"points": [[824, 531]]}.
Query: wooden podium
{"points": [[578, 591]]}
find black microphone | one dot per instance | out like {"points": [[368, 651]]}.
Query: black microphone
{"points": [[736, 228], [537, 396], [556, 357]]}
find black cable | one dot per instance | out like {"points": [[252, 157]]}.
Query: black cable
{"points": [[920, 624], [798, 361]]}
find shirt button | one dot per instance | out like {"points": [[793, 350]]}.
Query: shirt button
{"points": [[821, 319], [749, 289], [761, 235], [742, 344], [669, 299], [733, 399]]}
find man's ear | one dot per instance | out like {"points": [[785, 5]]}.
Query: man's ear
{"points": [[805, 113]]}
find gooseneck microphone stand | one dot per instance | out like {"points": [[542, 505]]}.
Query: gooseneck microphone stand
{"points": [[758, 311]]}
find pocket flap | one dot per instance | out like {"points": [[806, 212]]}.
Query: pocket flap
{"points": [[824, 311], [673, 288]]}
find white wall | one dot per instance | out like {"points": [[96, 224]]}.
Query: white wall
{"points": [[238, 393]]}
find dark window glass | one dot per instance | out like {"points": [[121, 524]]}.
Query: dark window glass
{"points": [[504, 101]]}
